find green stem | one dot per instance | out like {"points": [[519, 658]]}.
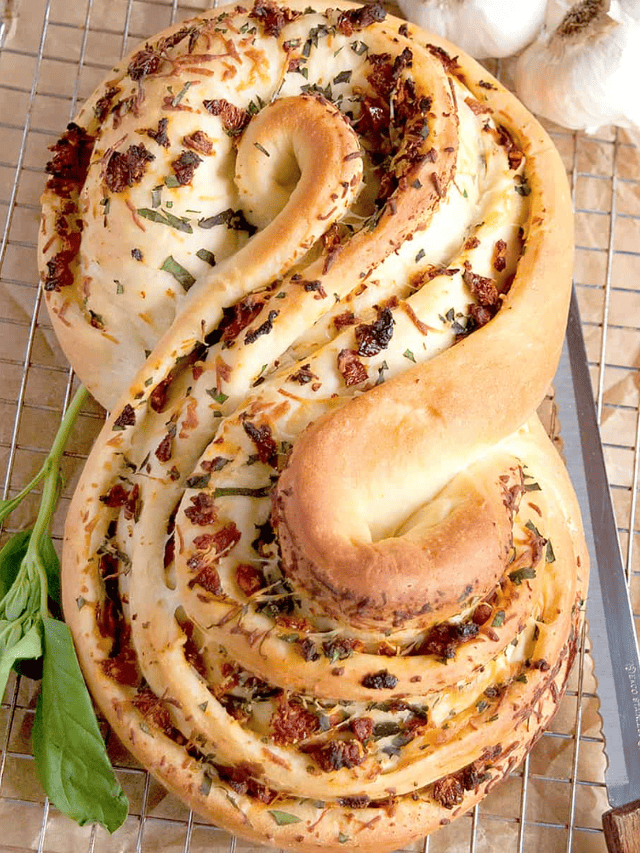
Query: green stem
{"points": [[66, 425], [51, 490]]}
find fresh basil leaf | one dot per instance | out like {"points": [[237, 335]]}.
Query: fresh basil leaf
{"points": [[19, 601], [27, 647], [13, 553], [10, 559], [71, 759]]}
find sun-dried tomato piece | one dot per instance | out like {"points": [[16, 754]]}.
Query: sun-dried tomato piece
{"points": [[203, 511], [153, 710], [362, 728], [250, 579], [291, 723], [126, 168], [209, 579], [352, 369], [159, 135], [448, 791], [358, 19], [374, 337], [198, 141], [185, 166], [382, 680], [264, 442], [273, 18], [234, 119], [337, 754], [483, 288]]}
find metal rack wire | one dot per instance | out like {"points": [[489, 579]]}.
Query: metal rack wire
{"points": [[49, 62]]}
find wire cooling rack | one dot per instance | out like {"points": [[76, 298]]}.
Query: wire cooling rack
{"points": [[52, 54]]}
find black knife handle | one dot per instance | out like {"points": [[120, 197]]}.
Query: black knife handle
{"points": [[622, 828]]}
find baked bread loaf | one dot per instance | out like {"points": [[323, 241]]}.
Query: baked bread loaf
{"points": [[324, 568]]}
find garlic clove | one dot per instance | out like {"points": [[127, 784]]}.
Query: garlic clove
{"points": [[583, 73], [482, 28]]}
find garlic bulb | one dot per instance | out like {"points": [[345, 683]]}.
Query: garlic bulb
{"points": [[583, 73], [480, 27]]}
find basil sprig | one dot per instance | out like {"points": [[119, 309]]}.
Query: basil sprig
{"points": [[68, 748]]}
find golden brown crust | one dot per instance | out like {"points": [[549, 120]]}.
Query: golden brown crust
{"points": [[451, 555], [377, 367]]}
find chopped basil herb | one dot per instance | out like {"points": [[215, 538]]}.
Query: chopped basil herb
{"points": [[181, 94], [283, 818], [420, 256], [342, 77], [313, 87], [342, 838], [205, 785], [207, 256], [217, 464], [289, 638], [359, 47], [550, 557], [408, 354], [233, 219], [162, 217], [262, 148], [387, 729], [531, 526], [198, 481], [242, 491], [532, 487], [204, 706], [498, 619], [254, 108], [119, 287], [80, 601], [171, 181], [519, 575], [180, 274], [522, 678], [217, 395], [156, 197]]}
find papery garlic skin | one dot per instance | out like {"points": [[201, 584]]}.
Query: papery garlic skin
{"points": [[482, 28], [583, 74]]}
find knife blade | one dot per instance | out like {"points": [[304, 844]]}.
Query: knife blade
{"points": [[613, 641]]}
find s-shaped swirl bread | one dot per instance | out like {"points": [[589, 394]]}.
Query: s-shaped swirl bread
{"points": [[324, 568]]}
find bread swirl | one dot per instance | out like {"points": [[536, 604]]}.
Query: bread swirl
{"points": [[324, 569]]}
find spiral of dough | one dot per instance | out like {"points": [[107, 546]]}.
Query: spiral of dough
{"points": [[324, 568]]}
